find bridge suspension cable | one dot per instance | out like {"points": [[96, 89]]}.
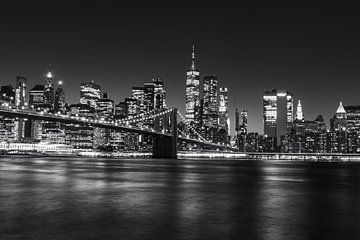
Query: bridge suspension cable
{"points": [[200, 137], [192, 128]]}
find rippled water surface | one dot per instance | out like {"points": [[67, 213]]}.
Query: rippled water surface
{"points": [[77, 198]]}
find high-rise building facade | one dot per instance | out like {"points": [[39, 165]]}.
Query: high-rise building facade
{"points": [[237, 121], [90, 93], [49, 92], [20, 92], [138, 93], [244, 122], [224, 121], [344, 134], [278, 113], [59, 104], [159, 93], [132, 106], [7, 125], [53, 132], [241, 129], [105, 108], [20, 102], [104, 111], [299, 112], [36, 97], [192, 92], [149, 96], [210, 108], [36, 102], [353, 128], [210, 96]]}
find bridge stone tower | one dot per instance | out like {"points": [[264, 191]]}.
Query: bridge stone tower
{"points": [[166, 146]]}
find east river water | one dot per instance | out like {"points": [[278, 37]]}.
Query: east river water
{"points": [[79, 198]]}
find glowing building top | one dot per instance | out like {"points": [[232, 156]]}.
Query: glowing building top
{"points": [[49, 75], [299, 112], [341, 109]]}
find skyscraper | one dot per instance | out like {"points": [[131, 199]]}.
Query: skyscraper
{"points": [[20, 102], [138, 93], [244, 122], [105, 107], [237, 121], [192, 91], [7, 124], [159, 93], [59, 104], [224, 122], [20, 92], [242, 129], [36, 97], [90, 93], [36, 102], [344, 135], [132, 106], [49, 94], [105, 111], [278, 113], [149, 95], [53, 132], [353, 128], [210, 109]]}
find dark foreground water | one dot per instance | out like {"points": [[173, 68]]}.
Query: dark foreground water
{"points": [[73, 198]]}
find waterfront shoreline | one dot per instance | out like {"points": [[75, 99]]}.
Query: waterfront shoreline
{"points": [[203, 157]]}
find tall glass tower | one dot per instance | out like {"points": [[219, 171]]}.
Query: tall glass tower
{"points": [[210, 111], [278, 113], [20, 92], [192, 91], [49, 94], [59, 104], [224, 121]]}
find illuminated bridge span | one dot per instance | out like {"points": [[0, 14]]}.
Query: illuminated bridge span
{"points": [[165, 132]]}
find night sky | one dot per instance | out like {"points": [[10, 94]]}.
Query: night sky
{"points": [[313, 50]]}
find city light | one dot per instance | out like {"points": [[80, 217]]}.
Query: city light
{"points": [[95, 120]]}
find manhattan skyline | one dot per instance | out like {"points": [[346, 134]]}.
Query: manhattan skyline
{"points": [[312, 51]]}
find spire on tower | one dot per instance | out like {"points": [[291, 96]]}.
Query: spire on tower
{"points": [[193, 58]]}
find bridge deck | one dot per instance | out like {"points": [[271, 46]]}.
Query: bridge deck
{"points": [[27, 114]]}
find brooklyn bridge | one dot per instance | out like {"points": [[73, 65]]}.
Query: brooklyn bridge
{"points": [[165, 132]]}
